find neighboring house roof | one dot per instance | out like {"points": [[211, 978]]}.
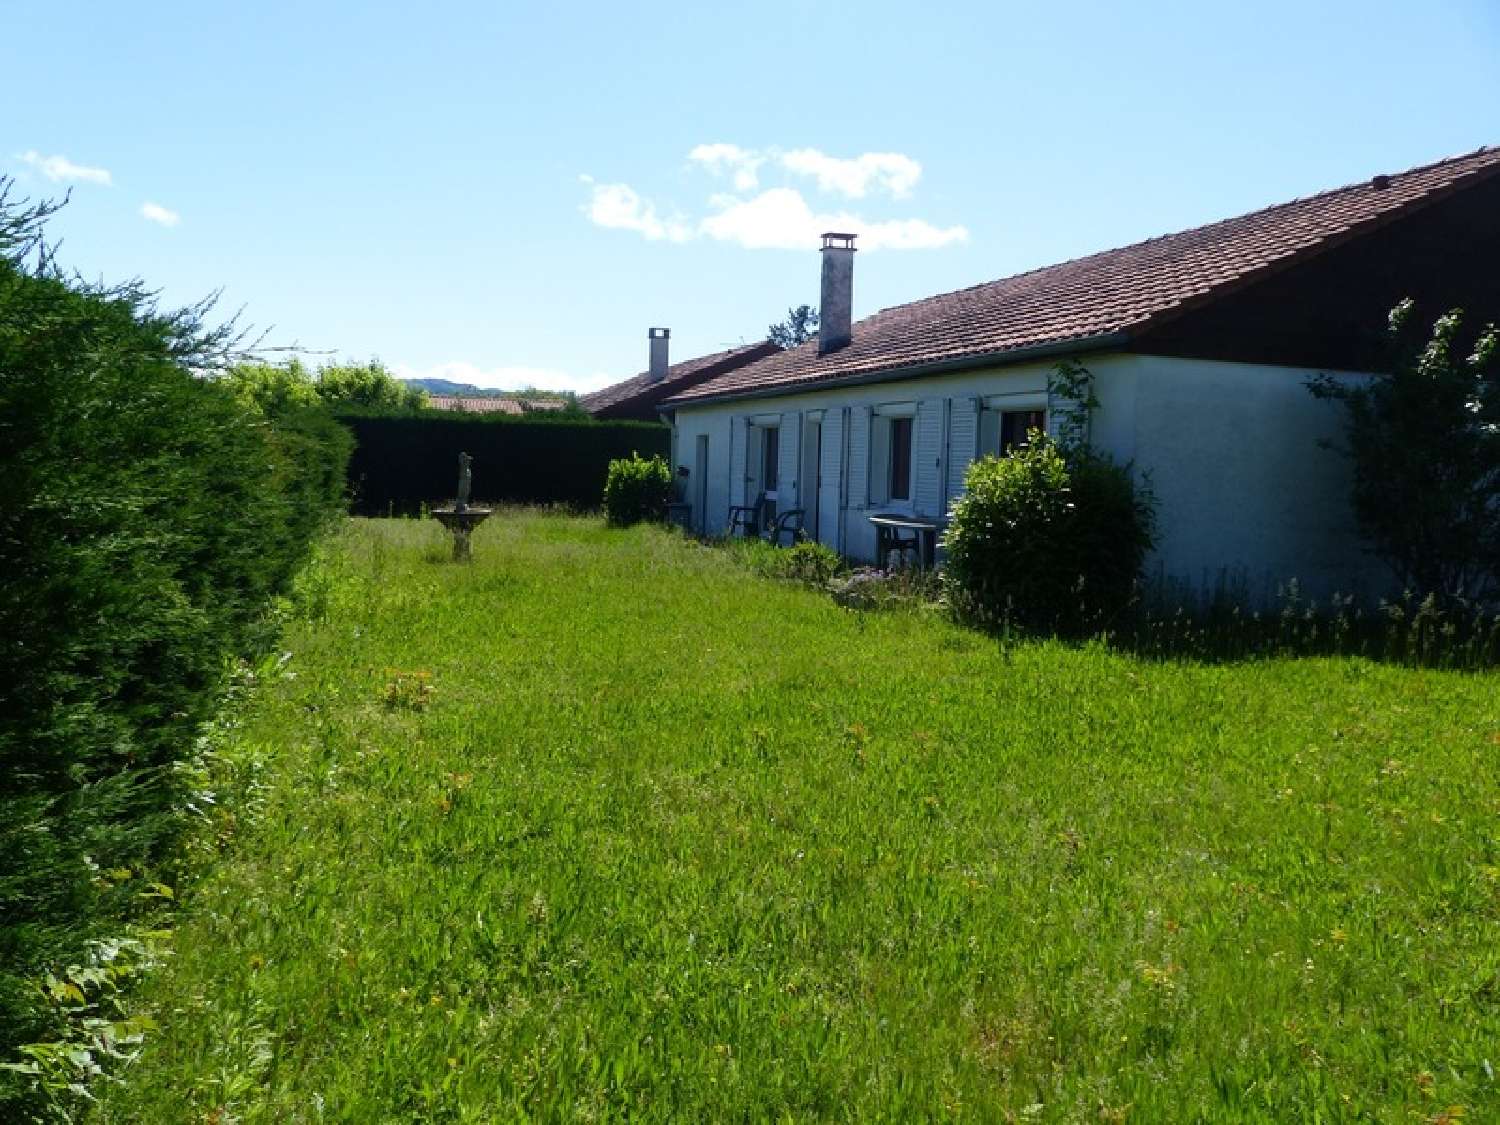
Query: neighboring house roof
{"points": [[1102, 299], [488, 404], [639, 395]]}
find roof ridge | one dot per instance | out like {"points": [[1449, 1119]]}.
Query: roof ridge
{"points": [[1266, 210], [699, 359], [1116, 290]]}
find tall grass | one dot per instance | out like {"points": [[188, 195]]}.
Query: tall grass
{"points": [[603, 826]]}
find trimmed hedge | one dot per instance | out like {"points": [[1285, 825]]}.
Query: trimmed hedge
{"points": [[147, 519], [401, 463]]}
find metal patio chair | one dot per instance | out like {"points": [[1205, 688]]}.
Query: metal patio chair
{"points": [[789, 525], [746, 518]]}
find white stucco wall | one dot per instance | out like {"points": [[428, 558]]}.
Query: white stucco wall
{"points": [[1245, 493]]}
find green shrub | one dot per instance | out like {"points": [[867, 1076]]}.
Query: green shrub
{"points": [[1424, 445], [147, 518], [812, 562], [1045, 540], [637, 488], [808, 561]]}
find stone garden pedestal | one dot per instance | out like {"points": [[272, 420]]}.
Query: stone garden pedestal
{"points": [[461, 524]]}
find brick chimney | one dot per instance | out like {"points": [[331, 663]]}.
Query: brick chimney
{"points": [[836, 309], [660, 338]]}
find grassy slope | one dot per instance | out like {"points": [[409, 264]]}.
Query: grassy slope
{"points": [[673, 841]]}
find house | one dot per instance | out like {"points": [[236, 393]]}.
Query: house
{"points": [[639, 396], [494, 404], [1200, 346]]}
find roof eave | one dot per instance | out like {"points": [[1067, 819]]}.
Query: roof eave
{"points": [[915, 371]]}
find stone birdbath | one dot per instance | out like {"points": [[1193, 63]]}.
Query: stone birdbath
{"points": [[460, 519]]}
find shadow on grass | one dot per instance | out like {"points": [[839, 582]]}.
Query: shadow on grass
{"points": [[1172, 624], [1411, 632]]}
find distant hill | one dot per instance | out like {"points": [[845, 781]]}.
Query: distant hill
{"points": [[449, 387], [469, 390]]}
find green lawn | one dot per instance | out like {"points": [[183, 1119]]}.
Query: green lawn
{"points": [[670, 841]]}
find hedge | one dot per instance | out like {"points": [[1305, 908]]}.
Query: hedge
{"points": [[401, 463], [147, 519]]}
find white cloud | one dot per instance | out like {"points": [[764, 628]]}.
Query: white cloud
{"points": [[781, 219], [508, 378], [159, 214], [853, 178], [619, 207], [60, 168], [721, 159]]}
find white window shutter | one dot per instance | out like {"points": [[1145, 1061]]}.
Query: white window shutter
{"points": [[880, 460], [829, 516], [963, 444], [989, 433], [859, 457], [789, 456], [755, 466], [739, 443], [927, 448]]}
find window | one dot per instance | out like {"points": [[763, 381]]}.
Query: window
{"points": [[1016, 425], [900, 480], [1002, 430]]}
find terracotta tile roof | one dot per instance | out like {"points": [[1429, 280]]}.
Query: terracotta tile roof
{"points": [[639, 394], [1114, 292], [476, 404], [491, 404]]}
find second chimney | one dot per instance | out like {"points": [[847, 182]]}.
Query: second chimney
{"points": [[836, 310], [660, 338]]}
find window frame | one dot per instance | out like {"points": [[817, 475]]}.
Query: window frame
{"points": [[991, 435]]}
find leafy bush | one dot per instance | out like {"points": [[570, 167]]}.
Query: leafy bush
{"points": [[147, 517], [277, 388], [811, 562], [367, 385], [274, 389], [1046, 540], [808, 561], [637, 488], [1424, 441]]}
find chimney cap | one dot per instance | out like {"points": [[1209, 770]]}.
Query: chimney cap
{"points": [[658, 333], [834, 240]]}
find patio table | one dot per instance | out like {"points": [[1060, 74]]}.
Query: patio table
{"points": [[895, 531]]}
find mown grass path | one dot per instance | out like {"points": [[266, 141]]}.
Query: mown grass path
{"points": [[669, 841]]}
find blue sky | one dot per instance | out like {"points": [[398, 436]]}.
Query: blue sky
{"points": [[508, 193]]}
